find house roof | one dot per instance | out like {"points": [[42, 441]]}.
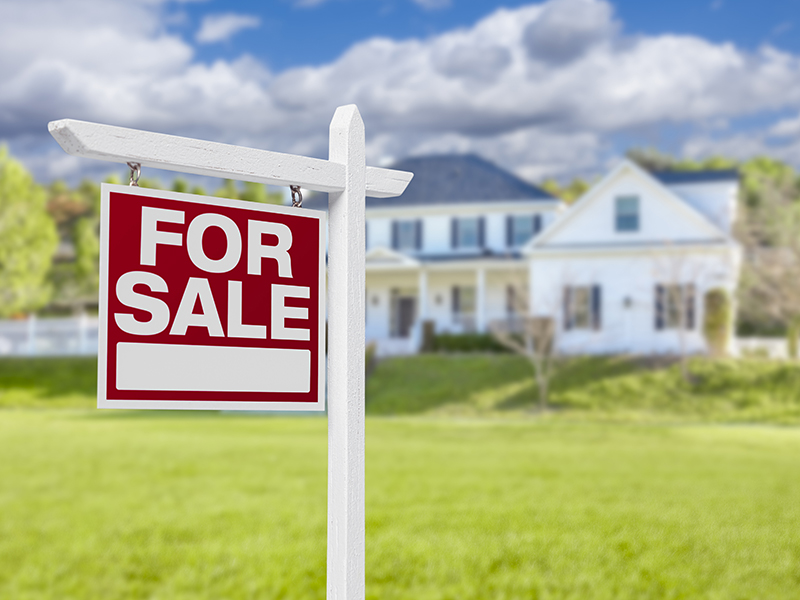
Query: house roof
{"points": [[453, 179], [543, 240], [688, 177]]}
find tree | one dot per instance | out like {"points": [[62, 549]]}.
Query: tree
{"points": [[28, 240], [228, 190], [717, 321], [769, 229], [533, 338], [256, 192], [530, 331], [569, 192]]}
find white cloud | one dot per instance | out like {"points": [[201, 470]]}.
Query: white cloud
{"points": [[786, 128], [536, 88], [220, 28]]}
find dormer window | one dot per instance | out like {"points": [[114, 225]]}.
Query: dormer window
{"points": [[467, 233], [627, 217]]}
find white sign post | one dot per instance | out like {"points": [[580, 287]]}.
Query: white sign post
{"points": [[348, 180]]}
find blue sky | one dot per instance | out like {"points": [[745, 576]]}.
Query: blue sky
{"points": [[551, 88], [293, 33]]}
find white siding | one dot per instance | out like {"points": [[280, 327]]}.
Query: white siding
{"points": [[632, 276]]}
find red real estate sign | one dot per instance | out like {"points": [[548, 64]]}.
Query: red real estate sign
{"points": [[208, 303]]}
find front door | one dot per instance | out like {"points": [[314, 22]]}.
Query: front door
{"points": [[407, 308], [403, 314]]}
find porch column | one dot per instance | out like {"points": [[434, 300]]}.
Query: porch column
{"points": [[422, 300], [480, 300]]}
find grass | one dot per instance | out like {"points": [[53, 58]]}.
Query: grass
{"points": [[588, 388], [617, 388], [48, 382], [143, 505]]}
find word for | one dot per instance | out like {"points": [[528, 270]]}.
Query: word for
{"points": [[199, 289]]}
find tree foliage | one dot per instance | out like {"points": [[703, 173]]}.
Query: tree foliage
{"points": [[28, 239], [568, 192]]}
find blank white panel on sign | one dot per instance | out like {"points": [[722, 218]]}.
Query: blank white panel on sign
{"points": [[185, 368]]}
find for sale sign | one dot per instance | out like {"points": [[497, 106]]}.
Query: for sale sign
{"points": [[207, 303]]}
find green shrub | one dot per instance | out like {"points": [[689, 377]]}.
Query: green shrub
{"points": [[466, 342], [716, 323]]}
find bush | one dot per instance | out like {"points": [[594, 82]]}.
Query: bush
{"points": [[716, 324], [466, 342]]}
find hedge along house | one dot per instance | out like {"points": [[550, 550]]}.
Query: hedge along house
{"points": [[626, 269], [448, 249]]}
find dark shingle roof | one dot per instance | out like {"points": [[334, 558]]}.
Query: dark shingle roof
{"points": [[458, 178], [679, 177], [453, 179]]}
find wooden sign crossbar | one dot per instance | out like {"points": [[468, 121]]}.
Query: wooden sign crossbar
{"points": [[198, 157], [348, 180]]}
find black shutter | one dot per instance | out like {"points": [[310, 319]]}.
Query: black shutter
{"points": [[688, 291], [537, 224], [481, 231], [509, 231], [597, 306], [395, 235], [418, 236], [567, 308], [659, 307], [456, 300], [454, 233]]}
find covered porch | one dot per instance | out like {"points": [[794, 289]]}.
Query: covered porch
{"points": [[457, 295]]}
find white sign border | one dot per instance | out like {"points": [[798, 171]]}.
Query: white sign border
{"points": [[254, 406]]}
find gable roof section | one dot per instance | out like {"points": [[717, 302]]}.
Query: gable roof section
{"points": [[596, 191], [386, 257], [452, 179], [458, 179]]}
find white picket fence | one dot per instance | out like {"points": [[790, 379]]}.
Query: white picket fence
{"points": [[70, 336]]}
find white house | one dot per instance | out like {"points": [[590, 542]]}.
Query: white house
{"points": [[469, 243], [627, 267]]}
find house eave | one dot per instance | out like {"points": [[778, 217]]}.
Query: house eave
{"points": [[481, 207], [632, 248]]}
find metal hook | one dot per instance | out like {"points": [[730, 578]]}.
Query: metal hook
{"points": [[136, 172], [297, 197]]}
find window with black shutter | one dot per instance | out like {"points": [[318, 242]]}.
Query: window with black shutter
{"points": [[675, 306], [467, 233], [521, 228], [582, 307], [659, 307], [596, 308], [406, 235]]}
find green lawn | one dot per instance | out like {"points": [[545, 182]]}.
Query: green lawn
{"points": [[142, 505], [590, 388]]}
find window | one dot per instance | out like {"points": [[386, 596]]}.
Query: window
{"points": [[516, 301], [521, 228], [582, 307], [467, 233], [675, 306], [407, 235], [627, 213], [463, 305], [463, 300]]}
